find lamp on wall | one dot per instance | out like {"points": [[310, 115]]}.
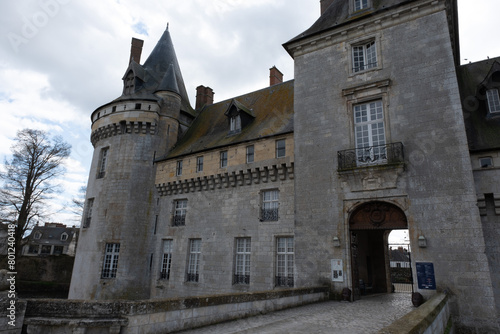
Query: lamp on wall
{"points": [[422, 242], [336, 241]]}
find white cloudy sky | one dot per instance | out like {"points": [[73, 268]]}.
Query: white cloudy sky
{"points": [[61, 59]]}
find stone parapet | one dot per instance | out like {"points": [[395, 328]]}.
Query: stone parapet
{"points": [[237, 177]]}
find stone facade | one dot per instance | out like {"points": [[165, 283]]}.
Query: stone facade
{"points": [[299, 184]]}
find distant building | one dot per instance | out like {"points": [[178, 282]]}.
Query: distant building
{"points": [[399, 258], [51, 239]]}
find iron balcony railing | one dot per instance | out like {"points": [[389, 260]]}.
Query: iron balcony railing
{"points": [[392, 153], [241, 279], [192, 277], [269, 214], [283, 281], [179, 220]]}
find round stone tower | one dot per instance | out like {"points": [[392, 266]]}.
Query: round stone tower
{"points": [[115, 248]]}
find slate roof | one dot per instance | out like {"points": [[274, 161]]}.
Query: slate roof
{"points": [[398, 256], [269, 110], [337, 14], [483, 129], [52, 235], [155, 75]]}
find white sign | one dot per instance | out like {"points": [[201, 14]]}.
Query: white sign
{"points": [[337, 270]]}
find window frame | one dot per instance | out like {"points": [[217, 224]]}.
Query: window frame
{"points": [[37, 235], [269, 210], [280, 150], [235, 124], [368, 45], [370, 153], [193, 265], [64, 236], [485, 166], [110, 260], [285, 262], [250, 152], [242, 260], [493, 100], [178, 168], [179, 212], [363, 4], [166, 259], [223, 159], [199, 164]]}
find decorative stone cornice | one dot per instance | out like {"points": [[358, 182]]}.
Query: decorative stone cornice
{"points": [[124, 127], [236, 178]]}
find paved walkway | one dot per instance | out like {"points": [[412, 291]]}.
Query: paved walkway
{"points": [[364, 316]]}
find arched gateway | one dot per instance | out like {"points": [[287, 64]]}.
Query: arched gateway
{"points": [[369, 225]]}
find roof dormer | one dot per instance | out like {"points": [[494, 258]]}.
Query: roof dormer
{"points": [[238, 116], [489, 90]]}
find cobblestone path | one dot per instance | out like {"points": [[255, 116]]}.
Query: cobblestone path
{"points": [[364, 316]]}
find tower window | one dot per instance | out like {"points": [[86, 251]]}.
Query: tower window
{"points": [[284, 261], [102, 162], [242, 263], [166, 261], [486, 162], [138, 106], [128, 87], [180, 210], [88, 215], [193, 273], [250, 154], [110, 264]]}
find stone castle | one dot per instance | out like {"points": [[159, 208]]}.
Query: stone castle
{"points": [[300, 183]]}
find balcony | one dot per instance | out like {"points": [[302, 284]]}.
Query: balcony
{"points": [[387, 154]]}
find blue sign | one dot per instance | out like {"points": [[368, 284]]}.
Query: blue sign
{"points": [[425, 276]]}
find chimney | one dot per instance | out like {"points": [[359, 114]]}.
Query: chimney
{"points": [[325, 4], [136, 50], [275, 76], [204, 96]]}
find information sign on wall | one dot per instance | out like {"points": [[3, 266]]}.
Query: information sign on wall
{"points": [[425, 275], [337, 270]]}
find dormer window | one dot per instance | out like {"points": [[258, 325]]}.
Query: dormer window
{"points": [[360, 4], [64, 236], [235, 124], [129, 83], [38, 235], [493, 100], [238, 116]]}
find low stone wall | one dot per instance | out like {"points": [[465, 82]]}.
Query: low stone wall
{"points": [[158, 316], [432, 317]]}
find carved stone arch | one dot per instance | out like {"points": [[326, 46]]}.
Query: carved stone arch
{"points": [[377, 215]]}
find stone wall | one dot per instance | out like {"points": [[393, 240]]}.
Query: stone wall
{"points": [[158, 316]]}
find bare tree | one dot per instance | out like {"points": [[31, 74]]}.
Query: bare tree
{"points": [[28, 178], [78, 203]]}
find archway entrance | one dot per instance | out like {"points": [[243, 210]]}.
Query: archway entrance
{"points": [[369, 225]]}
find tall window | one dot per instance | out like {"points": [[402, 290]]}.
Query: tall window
{"points": [[270, 204], [242, 261], [199, 164], [102, 162], [284, 261], [110, 260], [493, 100], [180, 209], [178, 170], [235, 124], [193, 270], [250, 154], [364, 56], [223, 159], [33, 249], [166, 261], [88, 214], [360, 4], [280, 148], [370, 133]]}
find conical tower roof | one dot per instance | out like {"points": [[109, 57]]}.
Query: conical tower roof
{"points": [[169, 81], [157, 65]]}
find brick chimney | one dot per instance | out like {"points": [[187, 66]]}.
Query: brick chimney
{"points": [[204, 96], [325, 4], [275, 76], [136, 50]]}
